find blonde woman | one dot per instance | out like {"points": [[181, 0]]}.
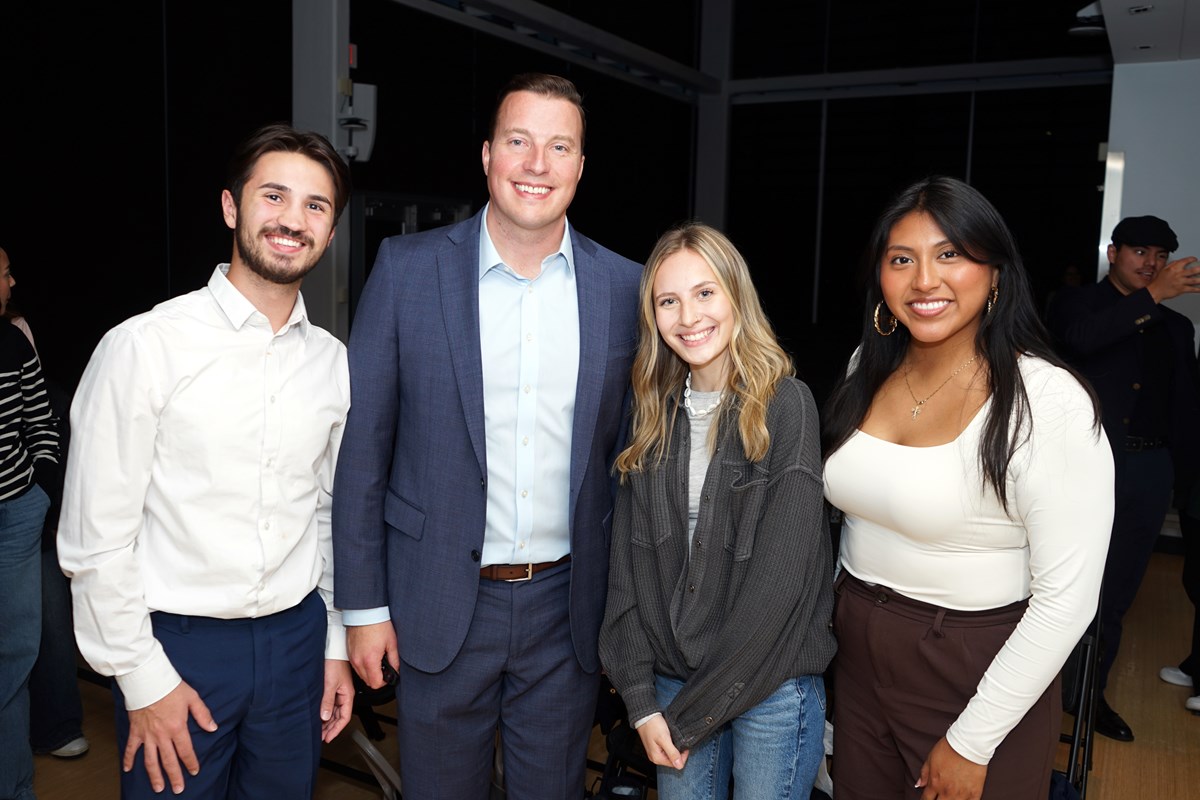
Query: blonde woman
{"points": [[716, 631]]}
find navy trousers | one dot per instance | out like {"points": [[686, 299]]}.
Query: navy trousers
{"points": [[516, 673], [262, 679]]}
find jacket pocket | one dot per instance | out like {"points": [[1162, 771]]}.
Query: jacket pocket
{"points": [[398, 514], [747, 495]]}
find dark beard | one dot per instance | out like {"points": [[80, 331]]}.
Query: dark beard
{"points": [[276, 269]]}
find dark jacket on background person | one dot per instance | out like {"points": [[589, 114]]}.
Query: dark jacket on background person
{"points": [[1099, 331], [755, 596]]}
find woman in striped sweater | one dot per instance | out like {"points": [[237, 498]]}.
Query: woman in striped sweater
{"points": [[28, 451]]}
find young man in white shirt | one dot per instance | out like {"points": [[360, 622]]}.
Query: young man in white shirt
{"points": [[196, 507]]}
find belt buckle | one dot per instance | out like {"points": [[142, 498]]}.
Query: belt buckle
{"points": [[528, 575]]}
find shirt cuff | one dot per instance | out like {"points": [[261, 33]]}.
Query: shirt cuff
{"points": [[335, 636], [150, 682], [646, 719], [354, 617]]}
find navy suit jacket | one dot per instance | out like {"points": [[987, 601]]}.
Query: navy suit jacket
{"points": [[410, 495], [1097, 329]]}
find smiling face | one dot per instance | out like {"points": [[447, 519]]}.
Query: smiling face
{"points": [[285, 219], [933, 290], [1133, 267], [533, 164], [694, 317]]}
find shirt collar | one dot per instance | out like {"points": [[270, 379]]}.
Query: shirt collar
{"points": [[489, 256], [237, 309]]}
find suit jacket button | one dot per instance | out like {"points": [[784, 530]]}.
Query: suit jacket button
{"points": [[475, 556]]}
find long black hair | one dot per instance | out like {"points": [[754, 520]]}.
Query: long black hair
{"points": [[1011, 328]]}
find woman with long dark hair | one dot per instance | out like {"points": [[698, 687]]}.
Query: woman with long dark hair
{"points": [[976, 487], [716, 631]]}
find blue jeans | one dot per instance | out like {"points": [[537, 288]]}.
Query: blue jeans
{"points": [[772, 751], [20, 629]]}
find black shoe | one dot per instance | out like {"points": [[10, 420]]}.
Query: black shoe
{"points": [[1109, 723]]}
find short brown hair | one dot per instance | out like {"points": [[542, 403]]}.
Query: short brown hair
{"points": [[279, 137], [545, 85]]}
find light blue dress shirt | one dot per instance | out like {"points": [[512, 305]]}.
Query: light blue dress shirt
{"points": [[529, 342]]}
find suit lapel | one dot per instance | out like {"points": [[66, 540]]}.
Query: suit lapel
{"points": [[592, 286], [458, 275]]}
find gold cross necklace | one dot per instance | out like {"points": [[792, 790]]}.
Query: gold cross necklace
{"points": [[916, 410]]}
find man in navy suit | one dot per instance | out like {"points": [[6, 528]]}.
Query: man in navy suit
{"points": [[1138, 355], [489, 365]]}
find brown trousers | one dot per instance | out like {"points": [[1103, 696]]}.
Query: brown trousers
{"points": [[904, 671]]}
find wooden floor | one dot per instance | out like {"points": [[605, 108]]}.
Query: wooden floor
{"points": [[1163, 763]]}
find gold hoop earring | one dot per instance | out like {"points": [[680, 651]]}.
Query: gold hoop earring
{"points": [[994, 297], [879, 328]]}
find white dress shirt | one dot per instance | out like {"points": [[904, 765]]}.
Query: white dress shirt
{"points": [[199, 476]]}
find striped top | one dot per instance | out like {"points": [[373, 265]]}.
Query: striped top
{"points": [[28, 436]]}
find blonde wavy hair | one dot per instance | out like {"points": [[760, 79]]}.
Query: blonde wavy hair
{"points": [[757, 362]]}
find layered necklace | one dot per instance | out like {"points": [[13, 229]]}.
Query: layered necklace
{"points": [[920, 404], [687, 400]]}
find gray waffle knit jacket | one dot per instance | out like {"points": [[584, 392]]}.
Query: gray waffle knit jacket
{"points": [[754, 600]]}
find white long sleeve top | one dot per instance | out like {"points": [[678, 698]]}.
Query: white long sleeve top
{"points": [[199, 477], [921, 521]]}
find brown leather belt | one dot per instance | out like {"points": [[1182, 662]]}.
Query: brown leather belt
{"points": [[518, 572]]}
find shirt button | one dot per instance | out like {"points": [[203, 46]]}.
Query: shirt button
{"points": [[529, 337], [529, 290], [520, 545], [267, 526], [525, 440], [476, 555], [708, 720], [527, 389], [272, 398], [692, 588], [524, 493]]}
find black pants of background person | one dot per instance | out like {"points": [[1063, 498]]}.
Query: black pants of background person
{"points": [[1190, 528], [55, 709], [1144, 481]]}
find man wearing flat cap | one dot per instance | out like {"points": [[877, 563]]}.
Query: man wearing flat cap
{"points": [[1140, 358]]}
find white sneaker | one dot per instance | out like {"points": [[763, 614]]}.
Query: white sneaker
{"points": [[1175, 676], [1193, 704], [79, 745]]}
